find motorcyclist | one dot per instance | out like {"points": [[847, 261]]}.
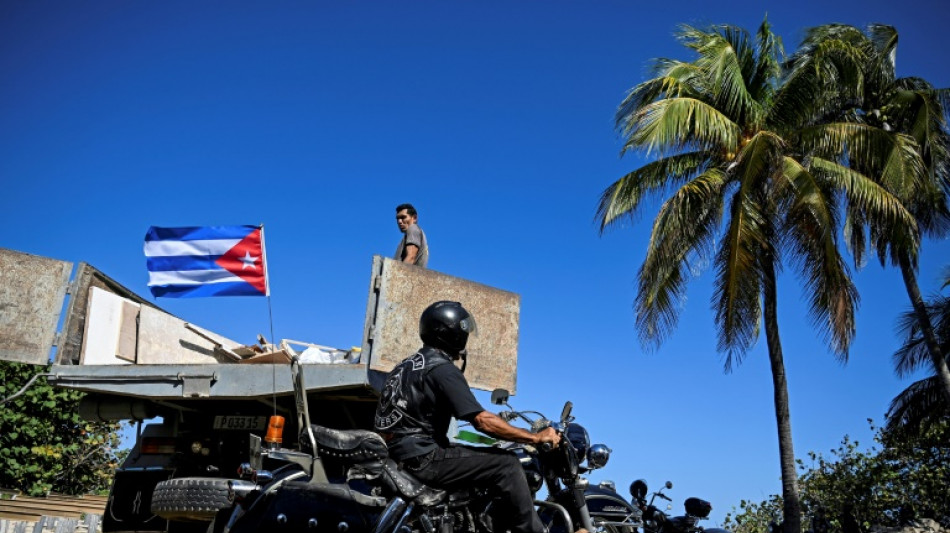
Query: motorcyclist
{"points": [[419, 399]]}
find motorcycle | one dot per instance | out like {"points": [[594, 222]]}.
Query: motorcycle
{"points": [[344, 482], [656, 521], [610, 512]]}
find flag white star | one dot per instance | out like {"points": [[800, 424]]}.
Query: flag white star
{"points": [[248, 260]]}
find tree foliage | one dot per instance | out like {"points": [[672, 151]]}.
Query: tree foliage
{"points": [[921, 403], [890, 484], [896, 133], [45, 446]]}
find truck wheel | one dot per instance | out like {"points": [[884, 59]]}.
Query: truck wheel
{"points": [[191, 498]]}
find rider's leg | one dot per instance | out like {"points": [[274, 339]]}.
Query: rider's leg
{"points": [[464, 466]]}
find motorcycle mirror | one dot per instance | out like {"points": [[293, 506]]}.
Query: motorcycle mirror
{"points": [[566, 413], [669, 484], [499, 396]]}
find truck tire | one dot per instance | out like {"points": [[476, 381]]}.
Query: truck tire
{"points": [[191, 498]]}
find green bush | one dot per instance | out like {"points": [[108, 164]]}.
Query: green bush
{"points": [[44, 444], [890, 484]]}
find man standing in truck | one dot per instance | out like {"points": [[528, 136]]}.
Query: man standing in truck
{"points": [[413, 248], [419, 399]]}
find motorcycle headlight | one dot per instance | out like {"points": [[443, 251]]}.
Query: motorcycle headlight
{"points": [[598, 456], [579, 439]]}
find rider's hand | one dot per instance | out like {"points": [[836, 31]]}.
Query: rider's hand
{"points": [[548, 435]]}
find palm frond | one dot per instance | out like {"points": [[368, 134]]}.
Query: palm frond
{"points": [[739, 277], [673, 124], [623, 197], [769, 56], [876, 204], [884, 41], [856, 236], [815, 87], [893, 159], [673, 79], [913, 353], [919, 404], [811, 225], [683, 228]]}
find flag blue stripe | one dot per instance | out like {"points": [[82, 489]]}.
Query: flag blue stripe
{"points": [[198, 233], [183, 262], [237, 288]]}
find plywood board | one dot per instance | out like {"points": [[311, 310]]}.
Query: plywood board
{"points": [[403, 291], [128, 332], [164, 340], [104, 328], [32, 290]]}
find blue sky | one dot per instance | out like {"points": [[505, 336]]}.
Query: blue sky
{"points": [[496, 120]]}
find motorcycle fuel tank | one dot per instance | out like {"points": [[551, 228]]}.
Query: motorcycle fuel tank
{"points": [[606, 504]]}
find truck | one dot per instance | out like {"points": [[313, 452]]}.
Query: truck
{"points": [[200, 400]]}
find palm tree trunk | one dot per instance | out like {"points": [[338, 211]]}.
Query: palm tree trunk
{"points": [[792, 510], [926, 327]]}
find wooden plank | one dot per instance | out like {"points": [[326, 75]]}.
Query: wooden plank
{"points": [[98, 498], [100, 339], [24, 516], [40, 507], [128, 331]]}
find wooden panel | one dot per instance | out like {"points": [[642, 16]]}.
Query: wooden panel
{"points": [[32, 290], [103, 329], [404, 291], [128, 332], [164, 340]]}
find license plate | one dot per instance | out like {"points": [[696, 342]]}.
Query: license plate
{"points": [[240, 422]]}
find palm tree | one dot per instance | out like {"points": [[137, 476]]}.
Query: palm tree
{"points": [[894, 130], [923, 402], [749, 191]]}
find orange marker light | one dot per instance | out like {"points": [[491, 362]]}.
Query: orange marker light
{"points": [[275, 430]]}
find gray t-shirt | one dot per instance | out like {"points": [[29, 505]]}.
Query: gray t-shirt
{"points": [[414, 235]]}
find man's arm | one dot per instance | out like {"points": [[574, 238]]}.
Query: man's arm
{"points": [[410, 253], [492, 425]]}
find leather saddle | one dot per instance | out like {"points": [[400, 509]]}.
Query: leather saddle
{"points": [[366, 456]]}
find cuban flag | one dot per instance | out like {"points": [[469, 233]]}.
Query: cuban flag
{"points": [[206, 261]]}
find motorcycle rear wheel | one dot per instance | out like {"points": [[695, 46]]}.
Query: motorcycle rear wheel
{"points": [[191, 499]]}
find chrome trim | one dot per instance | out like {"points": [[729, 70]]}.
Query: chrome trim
{"points": [[560, 509]]}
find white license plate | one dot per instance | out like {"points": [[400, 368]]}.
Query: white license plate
{"points": [[240, 422]]}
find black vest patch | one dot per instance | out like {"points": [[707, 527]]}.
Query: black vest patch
{"points": [[402, 408]]}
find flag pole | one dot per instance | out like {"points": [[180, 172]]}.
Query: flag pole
{"points": [[270, 314], [270, 310]]}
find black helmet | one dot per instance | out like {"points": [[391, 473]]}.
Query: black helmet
{"points": [[446, 326]]}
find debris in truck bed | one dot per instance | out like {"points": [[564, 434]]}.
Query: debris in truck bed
{"points": [[275, 357]]}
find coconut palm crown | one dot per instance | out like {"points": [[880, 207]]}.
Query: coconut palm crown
{"points": [[894, 130]]}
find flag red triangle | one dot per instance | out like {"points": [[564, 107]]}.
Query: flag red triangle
{"points": [[246, 261]]}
